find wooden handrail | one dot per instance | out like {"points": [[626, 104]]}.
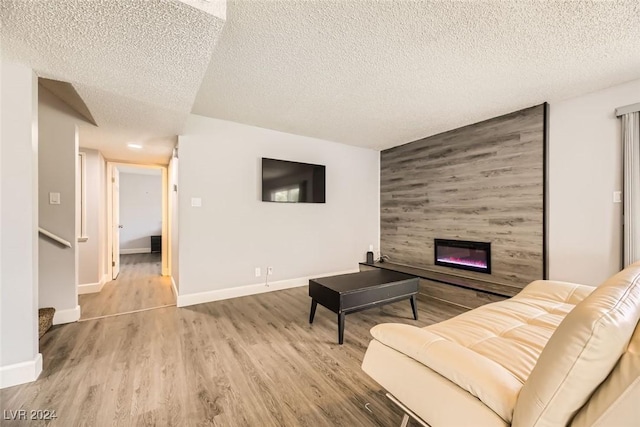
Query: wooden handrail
{"points": [[54, 237]]}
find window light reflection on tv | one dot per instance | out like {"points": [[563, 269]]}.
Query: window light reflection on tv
{"points": [[292, 182]]}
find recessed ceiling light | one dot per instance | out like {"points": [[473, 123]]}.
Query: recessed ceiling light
{"points": [[135, 146]]}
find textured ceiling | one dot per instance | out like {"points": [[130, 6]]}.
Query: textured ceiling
{"points": [[368, 73], [216, 8], [136, 64], [379, 74]]}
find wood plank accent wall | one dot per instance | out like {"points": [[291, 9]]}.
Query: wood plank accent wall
{"points": [[483, 182]]}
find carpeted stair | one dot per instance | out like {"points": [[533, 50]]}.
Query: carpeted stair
{"points": [[45, 319]]}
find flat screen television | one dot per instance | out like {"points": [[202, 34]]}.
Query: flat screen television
{"points": [[292, 182]]}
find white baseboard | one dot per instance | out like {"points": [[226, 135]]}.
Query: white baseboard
{"points": [[90, 288], [135, 251], [66, 316], [20, 373], [241, 291], [174, 288]]}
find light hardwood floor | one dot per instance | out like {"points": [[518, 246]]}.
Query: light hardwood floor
{"points": [[138, 286], [251, 361]]}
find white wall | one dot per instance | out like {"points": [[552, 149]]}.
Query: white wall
{"points": [[585, 168], [140, 211], [234, 231], [19, 358], [91, 255], [174, 229], [57, 164]]}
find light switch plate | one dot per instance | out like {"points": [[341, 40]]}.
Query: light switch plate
{"points": [[617, 197], [54, 198], [196, 202]]}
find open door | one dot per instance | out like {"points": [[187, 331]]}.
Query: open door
{"points": [[115, 247]]}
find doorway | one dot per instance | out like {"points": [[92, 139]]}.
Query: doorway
{"points": [[137, 216], [137, 243], [114, 171]]}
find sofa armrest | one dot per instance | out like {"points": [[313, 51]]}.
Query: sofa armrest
{"points": [[485, 379]]}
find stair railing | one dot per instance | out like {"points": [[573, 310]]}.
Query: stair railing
{"points": [[54, 237]]}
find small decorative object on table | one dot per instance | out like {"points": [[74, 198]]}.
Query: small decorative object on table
{"points": [[369, 257]]}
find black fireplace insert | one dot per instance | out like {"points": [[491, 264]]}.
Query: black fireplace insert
{"points": [[463, 254]]}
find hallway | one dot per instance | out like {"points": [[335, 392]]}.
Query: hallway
{"points": [[139, 286]]}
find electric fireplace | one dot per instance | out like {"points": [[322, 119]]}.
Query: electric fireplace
{"points": [[463, 254]]}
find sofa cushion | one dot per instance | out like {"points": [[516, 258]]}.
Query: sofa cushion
{"points": [[429, 395], [489, 351], [514, 332], [581, 353], [615, 402], [478, 375]]}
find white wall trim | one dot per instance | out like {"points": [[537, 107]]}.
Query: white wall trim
{"points": [[241, 291], [90, 288], [174, 288], [135, 251], [82, 175], [66, 316], [20, 373]]}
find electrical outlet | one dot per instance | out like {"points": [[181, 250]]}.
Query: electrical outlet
{"points": [[258, 272], [269, 271]]}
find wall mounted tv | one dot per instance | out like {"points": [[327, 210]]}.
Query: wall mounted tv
{"points": [[292, 182]]}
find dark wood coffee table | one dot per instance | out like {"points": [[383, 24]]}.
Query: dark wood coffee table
{"points": [[349, 293]]}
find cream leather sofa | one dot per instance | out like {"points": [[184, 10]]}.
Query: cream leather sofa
{"points": [[556, 354]]}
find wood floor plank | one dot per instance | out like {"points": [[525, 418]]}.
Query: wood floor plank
{"points": [[251, 361], [139, 286]]}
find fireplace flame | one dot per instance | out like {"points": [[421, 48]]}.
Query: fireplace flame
{"points": [[463, 261]]}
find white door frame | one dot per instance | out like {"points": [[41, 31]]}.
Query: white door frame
{"points": [[166, 238], [115, 211]]}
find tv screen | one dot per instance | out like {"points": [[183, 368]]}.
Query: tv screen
{"points": [[292, 182]]}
